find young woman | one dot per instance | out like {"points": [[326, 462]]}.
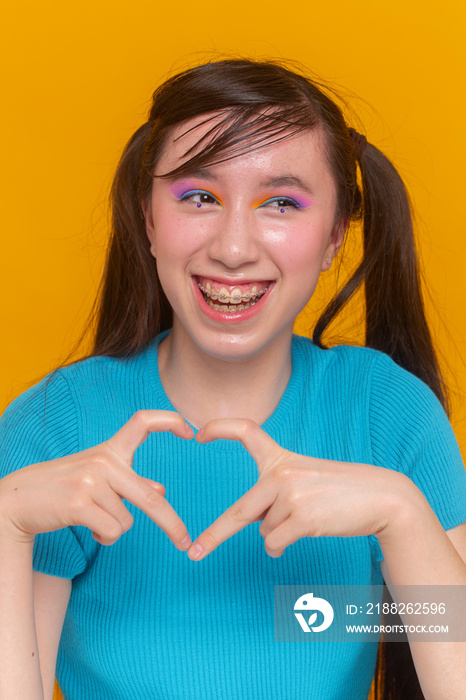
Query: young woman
{"points": [[200, 409]]}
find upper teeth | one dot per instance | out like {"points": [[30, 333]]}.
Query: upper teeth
{"points": [[233, 297]]}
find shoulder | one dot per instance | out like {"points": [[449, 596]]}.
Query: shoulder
{"points": [[84, 378], [338, 357], [55, 390], [373, 391], [342, 370], [54, 417], [374, 402], [360, 364]]}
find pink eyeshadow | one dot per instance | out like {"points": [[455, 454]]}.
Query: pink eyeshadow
{"points": [[179, 188]]}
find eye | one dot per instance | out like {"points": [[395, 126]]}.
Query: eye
{"points": [[199, 197], [280, 203]]}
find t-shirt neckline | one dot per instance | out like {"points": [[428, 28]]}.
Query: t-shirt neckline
{"points": [[284, 415]]}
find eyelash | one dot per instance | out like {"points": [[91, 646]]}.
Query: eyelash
{"points": [[189, 196], [283, 203]]}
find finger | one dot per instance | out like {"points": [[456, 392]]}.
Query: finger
{"points": [[158, 487], [143, 495], [274, 517], [262, 448], [261, 516], [243, 512], [110, 502], [139, 427], [105, 528], [281, 537]]}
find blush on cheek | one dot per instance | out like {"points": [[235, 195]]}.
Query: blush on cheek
{"points": [[298, 245], [177, 237]]}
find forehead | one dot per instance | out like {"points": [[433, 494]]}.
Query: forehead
{"points": [[193, 137]]}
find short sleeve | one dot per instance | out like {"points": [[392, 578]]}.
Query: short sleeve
{"points": [[38, 426], [410, 432]]}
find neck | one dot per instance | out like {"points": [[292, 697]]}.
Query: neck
{"points": [[202, 387]]}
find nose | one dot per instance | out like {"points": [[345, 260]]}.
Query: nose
{"points": [[235, 242]]}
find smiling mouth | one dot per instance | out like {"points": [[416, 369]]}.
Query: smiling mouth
{"points": [[231, 299]]}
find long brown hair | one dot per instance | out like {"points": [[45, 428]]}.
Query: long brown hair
{"points": [[255, 104]]}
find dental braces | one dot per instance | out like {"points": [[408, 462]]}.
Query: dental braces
{"points": [[237, 297]]}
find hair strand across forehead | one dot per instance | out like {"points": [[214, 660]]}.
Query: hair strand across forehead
{"points": [[237, 131]]}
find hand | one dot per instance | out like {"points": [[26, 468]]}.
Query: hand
{"points": [[298, 496], [87, 488]]}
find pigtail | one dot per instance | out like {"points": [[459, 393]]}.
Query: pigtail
{"points": [[131, 308], [395, 317], [396, 325], [395, 314]]}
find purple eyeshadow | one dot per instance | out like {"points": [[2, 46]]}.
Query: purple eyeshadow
{"points": [[180, 188]]}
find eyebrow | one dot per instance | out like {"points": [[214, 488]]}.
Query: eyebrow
{"points": [[286, 181], [201, 173], [277, 181]]}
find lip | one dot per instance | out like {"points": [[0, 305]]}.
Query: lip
{"points": [[232, 281], [230, 317]]}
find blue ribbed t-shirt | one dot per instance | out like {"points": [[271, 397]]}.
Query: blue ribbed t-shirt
{"points": [[146, 622]]}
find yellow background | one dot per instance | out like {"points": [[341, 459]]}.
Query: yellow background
{"points": [[78, 80]]}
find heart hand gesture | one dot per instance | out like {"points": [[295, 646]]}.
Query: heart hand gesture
{"points": [[297, 496]]}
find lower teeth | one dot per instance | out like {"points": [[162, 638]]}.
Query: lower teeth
{"points": [[247, 300], [229, 309]]}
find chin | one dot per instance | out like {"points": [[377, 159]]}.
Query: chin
{"points": [[235, 347]]}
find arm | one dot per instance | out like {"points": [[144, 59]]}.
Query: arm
{"points": [[430, 556], [297, 496], [20, 677], [86, 489], [32, 608], [51, 596]]}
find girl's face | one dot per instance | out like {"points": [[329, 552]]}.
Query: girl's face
{"points": [[240, 245]]}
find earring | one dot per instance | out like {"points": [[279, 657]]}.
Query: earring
{"points": [[328, 261]]}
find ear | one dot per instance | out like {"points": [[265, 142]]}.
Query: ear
{"points": [[146, 206], [336, 240]]}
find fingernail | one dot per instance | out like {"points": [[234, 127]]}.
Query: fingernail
{"points": [[184, 544], [196, 551]]}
